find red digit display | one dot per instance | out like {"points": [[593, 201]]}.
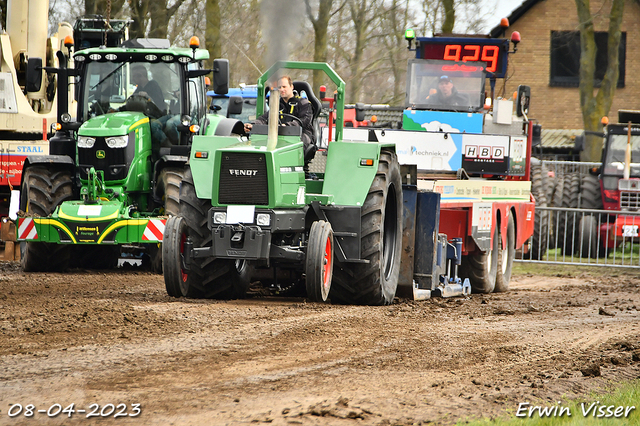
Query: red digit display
{"points": [[490, 54], [476, 53], [448, 56], [492, 51]]}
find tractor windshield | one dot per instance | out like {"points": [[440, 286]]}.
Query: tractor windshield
{"points": [[151, 88], [445, 85], [614, 162]]}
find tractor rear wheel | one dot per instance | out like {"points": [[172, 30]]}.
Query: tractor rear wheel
{"points": [[505, 257], [590, 244], [168, 190], [43, 190], [568, 221], [541, 217], [375, 282], [319, 261], [482, 267]]}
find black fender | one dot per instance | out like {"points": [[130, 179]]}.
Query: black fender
{"points": [[60, 161], [229, 126], [167, 161]]}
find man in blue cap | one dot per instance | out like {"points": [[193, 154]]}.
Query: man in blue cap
{"points": [[447, 94]]}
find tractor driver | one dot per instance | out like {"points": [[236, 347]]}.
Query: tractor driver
{"points": [[291, 105], [146, 87], [447, 94]]}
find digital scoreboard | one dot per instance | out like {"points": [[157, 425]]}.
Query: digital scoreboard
{"points": [[493, 51]]}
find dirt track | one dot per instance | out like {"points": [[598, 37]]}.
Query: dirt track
{"points": [[115, 337]]}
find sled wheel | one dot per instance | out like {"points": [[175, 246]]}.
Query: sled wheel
{"points": [[505, 257], [482, 267], [319, 262]]}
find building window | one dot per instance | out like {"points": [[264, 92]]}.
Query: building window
{"points": [[565, 58]]}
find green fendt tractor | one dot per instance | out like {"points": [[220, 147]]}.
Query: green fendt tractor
{"points": [[114, 170], [247, 212]]}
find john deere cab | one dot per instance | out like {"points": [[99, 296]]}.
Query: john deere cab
{"points": [[115, 168]]}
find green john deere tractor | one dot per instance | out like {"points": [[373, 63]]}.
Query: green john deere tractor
{"points": [[248, 213], [114, 170]]}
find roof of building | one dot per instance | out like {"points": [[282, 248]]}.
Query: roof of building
{"points": [[497, 31], [559, 138]]}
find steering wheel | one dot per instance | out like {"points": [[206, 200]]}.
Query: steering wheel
{"points": [[291, 117], [143, 104], [97, 108]]}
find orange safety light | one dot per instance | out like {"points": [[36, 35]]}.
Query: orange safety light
{"points": [[515, 95], [194, 42], [366, 162], [56, 126], [68, 41], [374, 118], [194, 128], [202, 154], [504, 23], [604, 120]]}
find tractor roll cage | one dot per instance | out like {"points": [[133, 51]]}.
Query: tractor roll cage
{"points": [[297, 65]]}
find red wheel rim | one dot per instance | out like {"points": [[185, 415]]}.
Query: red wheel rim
{"points": [[184, 275], [326, 269]]}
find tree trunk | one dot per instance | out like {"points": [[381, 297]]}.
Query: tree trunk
{"points": [[595, 107], [449, 16], [320, 28], [212, 32]]}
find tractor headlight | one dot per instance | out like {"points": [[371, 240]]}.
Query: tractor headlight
{"points": [[85, 142], [117, 141], [219, 218], [263, 219]]}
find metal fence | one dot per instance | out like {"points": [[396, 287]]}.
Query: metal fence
{"points": [[570, 225], [584, 237]]}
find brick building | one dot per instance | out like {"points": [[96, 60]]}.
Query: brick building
{"points": [[546, 58]]}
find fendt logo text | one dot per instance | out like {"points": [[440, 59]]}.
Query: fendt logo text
{"points": [[236, 172]]}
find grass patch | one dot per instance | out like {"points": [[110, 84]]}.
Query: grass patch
{"points": [[627, 395], [570, 271]]}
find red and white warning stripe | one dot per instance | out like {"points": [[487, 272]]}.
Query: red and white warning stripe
{"points": [[154, 230], [27, 229]]}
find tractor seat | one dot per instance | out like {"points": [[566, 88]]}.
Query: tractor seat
{"points": [[303, 86]]}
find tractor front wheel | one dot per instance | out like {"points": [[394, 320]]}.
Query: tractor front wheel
{"points": [[176, 278], [168, 190], [319, 261], [43, 190]]}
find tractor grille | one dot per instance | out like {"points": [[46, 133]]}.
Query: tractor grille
{"points": [[112, 161], [629, 201], [243, 179]]}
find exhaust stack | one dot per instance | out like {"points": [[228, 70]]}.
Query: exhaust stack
{"points": [[272, 135]]}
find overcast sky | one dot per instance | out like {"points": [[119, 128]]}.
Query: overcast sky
{"points": [[503, 9]]}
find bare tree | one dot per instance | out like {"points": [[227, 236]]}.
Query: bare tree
{"points": [[449, 16], [99, 7], [362, 14], [594, 107], [212, 32], [394, 22], [320, 25]]}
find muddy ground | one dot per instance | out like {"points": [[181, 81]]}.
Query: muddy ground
{"points": [[117, 338]]}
